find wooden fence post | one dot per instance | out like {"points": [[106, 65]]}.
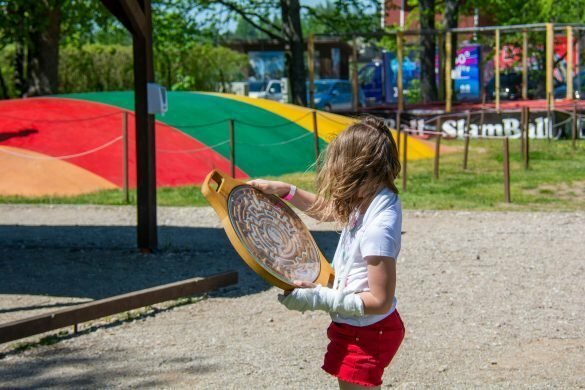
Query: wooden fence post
{"points": [[574, 127], [232, 148], [467, 136], [438, 135], [398, 131], [316, 134], [125, 156], [506, 170], [527, 139], [404, 160]]}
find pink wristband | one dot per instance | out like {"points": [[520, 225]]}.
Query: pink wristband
{"points": [[291, 193]]}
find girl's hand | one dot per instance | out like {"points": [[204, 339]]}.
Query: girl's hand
{"points": [[270, 187], [304, 284]]}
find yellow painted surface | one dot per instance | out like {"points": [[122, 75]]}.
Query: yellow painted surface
{"points": [[27, 173], [329, 125]]}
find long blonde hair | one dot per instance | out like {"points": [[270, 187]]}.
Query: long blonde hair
{"points": [[357, 163]]}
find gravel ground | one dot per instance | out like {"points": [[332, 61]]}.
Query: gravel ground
{"points": [[489, 300]]}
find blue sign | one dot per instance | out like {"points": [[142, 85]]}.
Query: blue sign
{"points": [[466, 73]]}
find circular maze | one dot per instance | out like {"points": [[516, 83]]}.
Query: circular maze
{"points": [[273, 234]]}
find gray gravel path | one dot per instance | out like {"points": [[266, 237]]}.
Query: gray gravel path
{"points": [[490, 300]]}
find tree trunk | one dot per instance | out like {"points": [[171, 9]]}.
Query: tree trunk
{"points": [[428, 85], [18, 75], [3, 89], [294, 50], [450, 20], [43, 52]]}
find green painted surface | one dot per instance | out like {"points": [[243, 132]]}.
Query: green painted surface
{"points": [[266, 143]]}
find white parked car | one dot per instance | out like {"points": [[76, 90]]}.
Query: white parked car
{"points": [[270, 89]]}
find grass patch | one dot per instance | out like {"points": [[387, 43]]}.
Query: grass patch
{"points": [[480, 187]]}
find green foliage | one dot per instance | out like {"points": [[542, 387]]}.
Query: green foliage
{"points": [[202, 67], [95, 68]]}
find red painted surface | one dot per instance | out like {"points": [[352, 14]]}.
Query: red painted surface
{"points": [[63, 127]]}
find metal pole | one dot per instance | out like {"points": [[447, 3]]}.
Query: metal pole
{"points": [[311, 66], [448, 83], [399, 58], [354, 76], [549, 64], [437, 148], [467, 139], [125, 156], [569, 78], [506, 171], [404, 160], [232, 148], [497, 70], [316, 134], [525, 65]]}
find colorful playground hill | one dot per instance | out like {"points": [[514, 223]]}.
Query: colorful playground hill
{"points": [[73, 144]]}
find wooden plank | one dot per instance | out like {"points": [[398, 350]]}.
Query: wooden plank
{"points": [[136, 16], [105, 307]]}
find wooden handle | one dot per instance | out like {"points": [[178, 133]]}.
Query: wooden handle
{"points": [[216, 188]]}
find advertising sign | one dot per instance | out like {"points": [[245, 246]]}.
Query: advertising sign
{"points": [[466, 73]]}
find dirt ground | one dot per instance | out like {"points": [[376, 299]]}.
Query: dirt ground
{"points": [[489, 300]]}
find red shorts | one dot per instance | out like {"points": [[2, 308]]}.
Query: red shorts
{"points": [[360, 354]]}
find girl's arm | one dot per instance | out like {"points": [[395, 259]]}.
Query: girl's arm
{"points": [[382, 283], [302, 200]]}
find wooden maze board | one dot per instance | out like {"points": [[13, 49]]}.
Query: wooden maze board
{"points": [[273, 234]]}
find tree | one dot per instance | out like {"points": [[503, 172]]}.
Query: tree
{"points": [[35, 27], [281, 20], [428, 84]]}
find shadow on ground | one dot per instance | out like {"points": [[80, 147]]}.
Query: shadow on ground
{"points": [[72, 368], [96, 262]]}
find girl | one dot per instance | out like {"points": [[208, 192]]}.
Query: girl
{"points": [[355, 188]]}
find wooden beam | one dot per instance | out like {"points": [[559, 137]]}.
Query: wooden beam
{"points": [[569, 78], [119, 13], [497, 69], [524, 65], [448, 65], [136, 16], [145, 138], [311, 68], [550, 38], [105, 307], [355, 88], [399, 79]]}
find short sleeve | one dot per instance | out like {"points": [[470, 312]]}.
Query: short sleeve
{"points": [[381, 240]]}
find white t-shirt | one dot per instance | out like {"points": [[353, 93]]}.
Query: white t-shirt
{"points": [[381, 237]]}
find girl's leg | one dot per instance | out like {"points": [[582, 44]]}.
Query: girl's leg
{"points": [[352, 386]]}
